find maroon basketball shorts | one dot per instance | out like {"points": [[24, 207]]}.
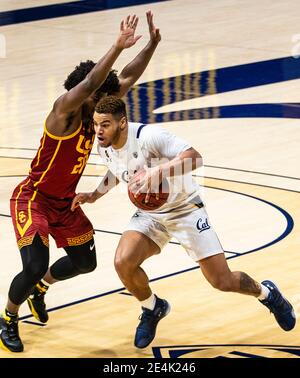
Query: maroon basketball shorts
{"points": [[33, 212]]}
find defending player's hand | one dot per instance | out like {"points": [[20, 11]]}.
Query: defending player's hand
{"points": [[126, 37], [148, 183], [153, 31], [82, 198]]}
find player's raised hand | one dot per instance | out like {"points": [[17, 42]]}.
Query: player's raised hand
{"points": [[127, 36], [153, 31]]}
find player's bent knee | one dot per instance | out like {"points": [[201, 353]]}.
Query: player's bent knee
{"points": [[221, 284], [35, 271], [83, 257], [124, 265], [87, 266], [120, 264], [87, 269]]}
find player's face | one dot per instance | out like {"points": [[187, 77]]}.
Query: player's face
{"points": [[107, 129]]}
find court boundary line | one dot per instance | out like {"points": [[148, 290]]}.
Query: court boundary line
{"points": [[61, 10], [205, 165], [199, 176], [79, 301]]}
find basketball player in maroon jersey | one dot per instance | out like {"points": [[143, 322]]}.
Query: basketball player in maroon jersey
{"points": [[41, 204]]}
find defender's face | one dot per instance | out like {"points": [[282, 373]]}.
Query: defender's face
{"points": [[107, 129]]}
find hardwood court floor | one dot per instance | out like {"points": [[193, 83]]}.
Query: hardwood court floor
{"points": [[251, 184]]}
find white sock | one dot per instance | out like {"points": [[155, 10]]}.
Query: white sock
{"points": [[45, 282], [149, 303], [264, 292]]}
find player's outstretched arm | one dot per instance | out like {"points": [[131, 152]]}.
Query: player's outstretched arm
{"points": [[72, 100], [132, 72], [108, 182]]}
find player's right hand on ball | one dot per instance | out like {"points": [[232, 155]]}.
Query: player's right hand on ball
{"points": [[126, 37], [82, 198]]}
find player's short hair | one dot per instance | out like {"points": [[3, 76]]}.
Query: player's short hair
{"points": [[110, 85], [111, 105]]}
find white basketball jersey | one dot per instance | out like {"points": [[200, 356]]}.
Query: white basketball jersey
{"points": [[151, 145]]}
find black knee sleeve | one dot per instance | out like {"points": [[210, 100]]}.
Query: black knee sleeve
{"points": [[35, 259], [81, 259]]}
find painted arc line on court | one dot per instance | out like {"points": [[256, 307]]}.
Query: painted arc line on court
{"points": [[289, 228], [280, 237], [268, 221], [102, 164], [264, 244]]}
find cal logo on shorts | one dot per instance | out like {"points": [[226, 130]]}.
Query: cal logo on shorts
{"points": [[203, 225]]}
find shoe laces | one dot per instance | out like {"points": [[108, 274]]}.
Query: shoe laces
{"points": [[12, 329], [276, 301], [146, 316], [38, 295]]}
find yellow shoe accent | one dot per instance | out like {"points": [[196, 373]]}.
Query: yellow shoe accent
{"points": [[40, 288], [34, 313], [6, 317], [3, 346]]}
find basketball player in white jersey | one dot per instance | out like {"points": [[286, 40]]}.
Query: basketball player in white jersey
{"points": [[126, 148]]}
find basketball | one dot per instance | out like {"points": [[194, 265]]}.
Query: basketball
{"points": [[153, 203]]}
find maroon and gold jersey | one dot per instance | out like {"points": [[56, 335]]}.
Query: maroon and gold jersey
{"points": [[60, 161]]}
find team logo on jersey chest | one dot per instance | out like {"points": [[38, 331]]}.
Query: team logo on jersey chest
{"points": [[135, 155], [108, 158], [126, 176]]}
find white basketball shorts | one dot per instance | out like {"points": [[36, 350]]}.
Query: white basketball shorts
{"points": [[190, 226]]}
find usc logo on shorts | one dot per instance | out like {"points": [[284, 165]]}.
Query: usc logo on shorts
{"points": [[22, 217]]}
